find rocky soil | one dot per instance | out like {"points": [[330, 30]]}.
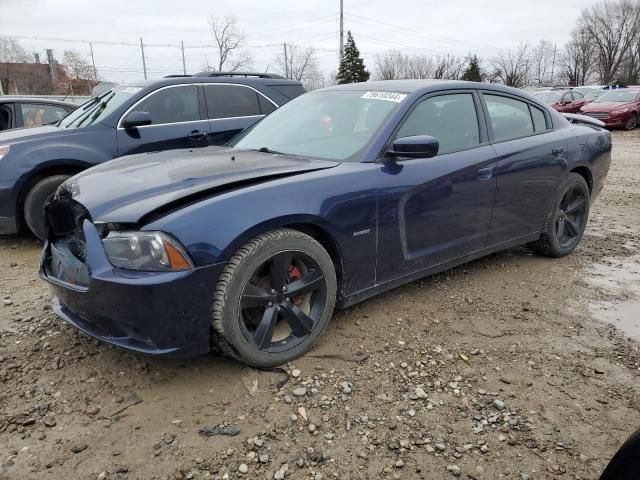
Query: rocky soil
{"points": [[499, 369]]}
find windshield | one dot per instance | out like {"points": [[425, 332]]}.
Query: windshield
{"points": [[549, 97], [97, 108], [329, 125], [617, 96]]}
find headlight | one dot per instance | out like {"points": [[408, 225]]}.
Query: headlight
{"points": [[622, 110], [4, 149], [147, 251]]}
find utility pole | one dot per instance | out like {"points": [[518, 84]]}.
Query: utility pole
{"points": [[144, 62], [93, 61], [553, 63], [286, 61], [341, 29], [184, 66]]}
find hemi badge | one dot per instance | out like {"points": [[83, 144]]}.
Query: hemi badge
{"points": [[361, 232]]}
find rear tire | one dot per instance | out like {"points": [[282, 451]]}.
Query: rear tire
{"points": [[274, 298], [35, 201], [567, 219]]}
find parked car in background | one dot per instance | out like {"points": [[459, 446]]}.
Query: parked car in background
{"points": [[618, 108], [340, 195], [565, 101], [177, 112], [17, 112]]}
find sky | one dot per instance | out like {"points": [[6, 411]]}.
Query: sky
{"points": [[430, 27]]}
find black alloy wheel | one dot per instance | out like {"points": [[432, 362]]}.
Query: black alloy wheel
{"points": [[283, 301], [571, 216], [274, 298]]}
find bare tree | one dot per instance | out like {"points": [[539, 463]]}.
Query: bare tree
{"points": [[77, 66], [394, 65], [391, 65], [542, 58], [302, 65], [614, 27], [449, 67], [512, 67], [230, 41], [577, 61], [11, 52]]}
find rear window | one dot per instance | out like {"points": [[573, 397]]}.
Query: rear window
{"points": [[289, 91]]}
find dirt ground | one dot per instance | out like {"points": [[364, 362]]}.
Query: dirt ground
{"points": [[504, 368]]}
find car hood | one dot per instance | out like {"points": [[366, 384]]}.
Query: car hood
{"points": [[130, 188], [605, 106], [18, 135]]}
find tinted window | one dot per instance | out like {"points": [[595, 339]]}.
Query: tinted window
{"points": [[171, 105], [289, 91], [266, 107], [5, 118], [34, 114], [224, 101], [509, 118], [451, 119], [539, 121]]}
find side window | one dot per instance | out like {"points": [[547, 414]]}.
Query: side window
{"points": [[509, 118], [171, 105], [224, 101], [539, 120], [452, 119], [34, 114], [5, 118], [266, 107], [577, 95]]}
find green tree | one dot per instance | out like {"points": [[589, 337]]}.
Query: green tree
{"points": [[352, 67], [473, 72]]}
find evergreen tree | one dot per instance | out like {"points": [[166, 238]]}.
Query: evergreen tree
{"points": [[473, 73], [351, 65]]}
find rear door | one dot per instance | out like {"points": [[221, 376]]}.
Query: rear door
{"points": [[177, 122], [531, 157], [231, 108], [432, 210]]}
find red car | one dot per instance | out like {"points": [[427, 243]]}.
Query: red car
{"points": [[616, 108], [565, 101]]}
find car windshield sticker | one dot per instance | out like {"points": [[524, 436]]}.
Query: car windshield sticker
{"points": [[388, 96]]}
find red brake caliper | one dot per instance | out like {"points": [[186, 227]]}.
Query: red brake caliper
{"points": [[295, 274]]}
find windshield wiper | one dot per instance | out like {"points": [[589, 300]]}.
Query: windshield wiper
{"points": [[268, 150]]}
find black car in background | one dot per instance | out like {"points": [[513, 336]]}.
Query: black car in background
{"points": [[179, 111], [17, 112]]}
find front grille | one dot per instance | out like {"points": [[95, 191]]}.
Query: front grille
{"points": [[598, 115]]}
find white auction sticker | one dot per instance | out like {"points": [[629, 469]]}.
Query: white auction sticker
{"points": [[388, 96]]}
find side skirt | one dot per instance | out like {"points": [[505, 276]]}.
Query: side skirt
{"points": [[362, 295]]}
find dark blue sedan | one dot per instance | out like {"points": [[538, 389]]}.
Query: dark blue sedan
{"points": [[339, 195]]}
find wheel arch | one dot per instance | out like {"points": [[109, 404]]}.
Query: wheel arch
{"points": [[59, 167], [585, 173], [316, 227]]}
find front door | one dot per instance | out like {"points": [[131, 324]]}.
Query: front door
{"points": [[177, 122], [432, 210]]}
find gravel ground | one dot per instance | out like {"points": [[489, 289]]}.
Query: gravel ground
{"points": [[502, 368]]}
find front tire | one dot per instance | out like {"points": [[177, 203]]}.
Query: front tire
{"points": [[35, 200], [274, 298], [632, 122], [567, 219]]}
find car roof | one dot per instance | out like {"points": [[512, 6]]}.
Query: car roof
{"points": [[241, 80], [426, 86], [17, 99]]}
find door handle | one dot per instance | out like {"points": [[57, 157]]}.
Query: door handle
{"points": [[485, 174], [557, 151], [195, 135]]}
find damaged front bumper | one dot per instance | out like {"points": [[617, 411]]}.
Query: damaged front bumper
{"points": [[160, 313]]}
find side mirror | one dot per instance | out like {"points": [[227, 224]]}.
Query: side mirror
{"points": [[418, 146], [137, 119]]}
